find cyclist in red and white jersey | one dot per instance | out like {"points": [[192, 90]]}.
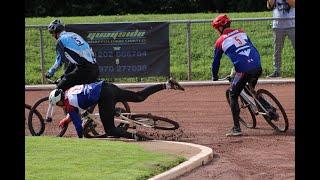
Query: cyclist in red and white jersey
{"points": [[236, 44]]}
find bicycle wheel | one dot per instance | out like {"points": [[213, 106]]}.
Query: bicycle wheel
{"points": [[45, 126], [247, 116], [152, 121], [92, 129], [276, 116], [38, 116]]}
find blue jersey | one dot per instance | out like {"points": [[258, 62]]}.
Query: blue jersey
{"points": [[238, 47], [72, 48], [81, 97]]}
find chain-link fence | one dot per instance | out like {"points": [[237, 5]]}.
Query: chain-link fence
{"points": [[191, 50]]}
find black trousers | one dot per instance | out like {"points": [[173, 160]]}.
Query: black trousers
{"points": [[82, 74], [111, 94], [240, 80]]}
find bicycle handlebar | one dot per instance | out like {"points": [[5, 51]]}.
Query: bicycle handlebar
{"points": [[225, 78], [54, 81]]}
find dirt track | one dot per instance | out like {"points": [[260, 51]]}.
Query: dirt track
{"points": [[205, 117]]}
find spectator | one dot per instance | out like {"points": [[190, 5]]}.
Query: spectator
{"points": [[281, 29]]}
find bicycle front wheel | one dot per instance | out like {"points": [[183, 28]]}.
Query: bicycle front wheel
{"points": [[155, 122], [45, 126], [38, 117], [246, 116], [276, 116]]}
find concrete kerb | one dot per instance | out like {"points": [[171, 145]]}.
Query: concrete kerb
{"points": [[198, 158], [203, 157], [183, 83]]}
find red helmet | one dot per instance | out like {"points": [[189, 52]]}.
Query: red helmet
{"points": [[220, 20]]}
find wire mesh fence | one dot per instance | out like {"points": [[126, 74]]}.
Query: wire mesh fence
{"points": [[191, 50]]}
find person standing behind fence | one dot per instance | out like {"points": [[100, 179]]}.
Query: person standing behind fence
{"points": [[77, 53], [281, 29]]}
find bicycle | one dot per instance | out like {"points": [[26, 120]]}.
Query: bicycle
{"points": [[261, 102], [50, 120], [93, 126]]}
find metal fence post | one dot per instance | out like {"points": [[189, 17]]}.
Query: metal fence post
{"points": [[189, 49], [41, 56]]}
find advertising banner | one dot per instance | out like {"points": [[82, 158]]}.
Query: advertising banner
{"points": [[128, 49]]}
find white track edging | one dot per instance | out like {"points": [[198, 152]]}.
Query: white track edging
{"points": [[184, 83], [205, 156]]}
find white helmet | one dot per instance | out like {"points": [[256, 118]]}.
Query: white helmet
{"points": [[55, 96]]}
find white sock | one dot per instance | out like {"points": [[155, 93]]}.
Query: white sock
{"points": [[168, 85]]}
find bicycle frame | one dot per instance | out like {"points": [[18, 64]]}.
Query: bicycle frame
{"points": [[253, 101], [121, 119]]}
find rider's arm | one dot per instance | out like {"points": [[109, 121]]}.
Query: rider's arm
{"points": [[217, 54], [75, 118], [58, 62], [216, 61]]}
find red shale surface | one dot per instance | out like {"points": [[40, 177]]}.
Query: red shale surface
{"points": [[204, 117]]}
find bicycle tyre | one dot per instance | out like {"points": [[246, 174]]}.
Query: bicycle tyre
{"points": [[165, 123], [36, 112], [27, 106], [243, 104], [90, 129], [42, 128], [30, 119], [272, 123]]}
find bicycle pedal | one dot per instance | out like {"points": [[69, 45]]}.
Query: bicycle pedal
{"points": [[49, 120]]}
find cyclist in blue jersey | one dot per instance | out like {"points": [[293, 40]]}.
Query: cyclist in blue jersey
{"points": [[106, 95], [75, 52], [236, 44]]}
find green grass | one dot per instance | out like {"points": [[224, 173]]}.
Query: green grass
{"points": [[202, 41], [69, 158]]}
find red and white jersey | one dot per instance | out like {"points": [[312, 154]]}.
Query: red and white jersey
{"points": [[237, 46]]}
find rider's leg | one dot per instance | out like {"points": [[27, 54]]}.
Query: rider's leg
{"points": [[79, 76], [253, 76], [139, 96], [106, 106], [237, 86], [252, 81]]}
